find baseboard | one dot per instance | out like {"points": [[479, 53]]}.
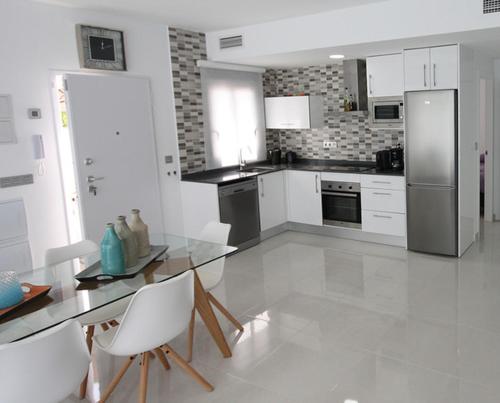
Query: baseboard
{"points": [[269, 233], [348, 233]]}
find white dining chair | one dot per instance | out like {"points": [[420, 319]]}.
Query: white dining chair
{"points": [[104, 316], [211, 275], [157, 314], [44, 368]]}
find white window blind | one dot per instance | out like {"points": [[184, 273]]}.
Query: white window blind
{"points": [[233, 105]]}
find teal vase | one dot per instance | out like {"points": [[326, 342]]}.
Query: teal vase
{"points": [[112, 256]]}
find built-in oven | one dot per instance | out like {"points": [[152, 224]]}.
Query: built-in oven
{"points": [[341, 204], [386, 111]]}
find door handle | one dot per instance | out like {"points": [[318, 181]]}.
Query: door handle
{"points": [[434, 74], [370, 84], [262, 187], [425, 75], [92, 178], [316, 179]]}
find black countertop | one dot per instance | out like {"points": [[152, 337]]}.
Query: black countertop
{"points": [[233, 174]]}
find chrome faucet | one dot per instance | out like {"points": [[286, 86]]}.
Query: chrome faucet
{"points": [[243, 163]]}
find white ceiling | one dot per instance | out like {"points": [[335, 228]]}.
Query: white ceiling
{"points": [[212, 15], [486, 41]]}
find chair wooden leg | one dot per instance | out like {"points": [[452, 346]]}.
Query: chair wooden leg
{"points": [[104, 326], [224, 311], [117, 379], [191, 336], [162, 358], [143, 387], [83, 385], [187, 368]]}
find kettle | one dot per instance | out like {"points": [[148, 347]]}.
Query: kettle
{"points": [[276, 156], [291, 157]]}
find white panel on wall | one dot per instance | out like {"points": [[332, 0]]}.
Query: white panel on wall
{"points": [[7, 133], [13, 222], [15, 252], [16, 257]]}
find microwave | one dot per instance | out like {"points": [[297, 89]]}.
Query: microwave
{"points": [[386, 111]]}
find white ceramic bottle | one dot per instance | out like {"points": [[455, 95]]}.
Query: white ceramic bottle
{"points": [[129, 241], [142, 233]]}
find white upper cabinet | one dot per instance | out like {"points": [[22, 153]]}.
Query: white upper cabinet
{"points": [[444, 67], [272, 200], [300, 112], [431, 68], [304, 197], [384, 75], [417, 69]]}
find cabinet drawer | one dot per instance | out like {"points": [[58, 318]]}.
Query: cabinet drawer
{"points": [[393, 201], [383, 182], [384, 223], [339, 177]]}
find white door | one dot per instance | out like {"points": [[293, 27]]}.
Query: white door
{"points": [[111, 125], [385, 75], [287, 112], [417, 69], [272, 205], [444, 67], [304, 197]]}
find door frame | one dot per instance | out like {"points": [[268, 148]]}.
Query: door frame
{"points": [[485, 106], [53, 73]]}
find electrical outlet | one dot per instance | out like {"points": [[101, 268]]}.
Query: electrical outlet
{"points": [[329, 144]]}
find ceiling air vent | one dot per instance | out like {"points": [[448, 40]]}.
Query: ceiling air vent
{"points": [[491, 6], [231, 42]]}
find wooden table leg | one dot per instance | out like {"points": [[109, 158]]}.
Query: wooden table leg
{"points": [[206, 312]]}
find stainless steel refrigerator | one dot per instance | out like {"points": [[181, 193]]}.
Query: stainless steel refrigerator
{"points": [[431, 140]]}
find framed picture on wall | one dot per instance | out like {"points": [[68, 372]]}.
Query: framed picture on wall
{"points": [[100, 48]]}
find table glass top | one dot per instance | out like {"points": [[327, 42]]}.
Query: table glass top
{"points": [[70, 298]]}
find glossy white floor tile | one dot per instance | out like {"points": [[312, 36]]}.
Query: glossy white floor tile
{"points": [[334, 320]]}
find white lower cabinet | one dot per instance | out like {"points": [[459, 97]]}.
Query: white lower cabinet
{"points": [[382, 222], [383, 205], [304, 197], [272, 201]]}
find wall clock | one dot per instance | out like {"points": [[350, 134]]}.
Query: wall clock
{"points": [[100, 48]]}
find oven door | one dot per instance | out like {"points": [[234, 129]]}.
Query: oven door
{"points": [[341, 209]]}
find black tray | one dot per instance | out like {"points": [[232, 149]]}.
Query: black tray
{"points": [[94, 272]]}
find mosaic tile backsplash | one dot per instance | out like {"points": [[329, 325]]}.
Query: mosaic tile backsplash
{"points": [[355, 139], [186, 48]]}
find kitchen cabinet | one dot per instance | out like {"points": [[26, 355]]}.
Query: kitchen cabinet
{"points": [[384, 75], [431, 68], [444, 67], [304, 197], [300, 112], [272, 201], [383, 204]]}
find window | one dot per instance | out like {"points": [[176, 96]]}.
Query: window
{"points": [[234, 117]]}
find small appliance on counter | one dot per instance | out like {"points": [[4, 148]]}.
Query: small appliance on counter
{"points": [[291, 157], [397, 158], [390, 160], [383, 159], [274, 156]]}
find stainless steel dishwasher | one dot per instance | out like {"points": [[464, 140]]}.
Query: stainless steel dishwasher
{"points": [[239, 206]]}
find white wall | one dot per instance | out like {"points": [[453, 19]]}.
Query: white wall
{"points": [[37, 39], [381, 21], [496, 142]]}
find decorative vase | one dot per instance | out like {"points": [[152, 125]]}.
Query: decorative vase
{"points": [[141, 231], [112, 257], [11, 292], [129, 241]]}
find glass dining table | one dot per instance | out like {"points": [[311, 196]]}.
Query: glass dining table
{"points": [[70, 298]]}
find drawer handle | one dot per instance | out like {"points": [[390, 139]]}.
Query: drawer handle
{"points": [[382, 216], [382, 194], [384, 182]]}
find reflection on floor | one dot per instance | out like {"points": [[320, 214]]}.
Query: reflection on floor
{"points": [[332, 320]]}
